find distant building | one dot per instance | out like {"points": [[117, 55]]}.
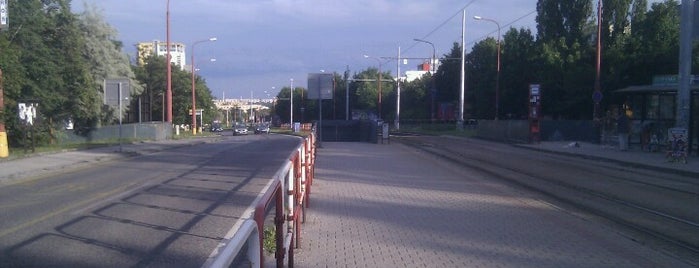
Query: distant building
{"points": [[422, 69], [177, 52]]}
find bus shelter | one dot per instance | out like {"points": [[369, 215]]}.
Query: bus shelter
{"points": [[653, 112]]}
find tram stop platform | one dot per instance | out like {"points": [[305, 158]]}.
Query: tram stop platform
{"points": [[391, 205]]}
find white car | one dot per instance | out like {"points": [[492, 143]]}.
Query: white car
{"points": [[240, 130]]}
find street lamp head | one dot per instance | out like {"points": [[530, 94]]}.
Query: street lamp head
{"points": [[477, 17], [424, 41], [213, 39], [212, 60], [366, 56]]}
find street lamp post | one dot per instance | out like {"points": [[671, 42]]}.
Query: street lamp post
{"points": [[433, 70], [168, 94], [291, 103], [378, 82], [497, 75], [250, 104], [462, 86], [194, 98], [268, 93], [396, 122]]}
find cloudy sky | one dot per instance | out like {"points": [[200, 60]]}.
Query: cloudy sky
{"points": [[262, 44]]}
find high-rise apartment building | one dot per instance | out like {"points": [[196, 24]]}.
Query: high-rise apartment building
{"points": [[177, 52]]}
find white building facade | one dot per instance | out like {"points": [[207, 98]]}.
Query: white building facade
{"points": [[177, 52]]}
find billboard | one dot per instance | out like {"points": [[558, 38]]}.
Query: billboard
{"points": [[320, 86]]}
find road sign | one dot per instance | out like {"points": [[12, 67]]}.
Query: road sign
{"points": [[320, 86], [597, 96], [534, 89], [111, 91]]}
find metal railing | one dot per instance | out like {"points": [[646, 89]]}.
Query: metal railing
{"points": [[287, 195]]}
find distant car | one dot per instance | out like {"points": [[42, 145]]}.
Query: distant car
{"points": [[262, 128], [240, 130], [216, 127]]}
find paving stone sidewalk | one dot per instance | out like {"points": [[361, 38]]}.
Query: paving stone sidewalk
{"points": [[392, 206]]}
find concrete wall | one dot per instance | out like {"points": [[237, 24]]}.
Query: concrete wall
{"points": [[551, 130], [142, 131]]}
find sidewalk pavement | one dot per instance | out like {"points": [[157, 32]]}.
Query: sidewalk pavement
{"points": [[396, 206], [634, 157], [40, 164]]}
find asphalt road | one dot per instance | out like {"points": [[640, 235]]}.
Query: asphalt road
{"points": [[165, 209]]}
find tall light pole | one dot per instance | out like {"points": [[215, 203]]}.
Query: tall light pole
{"points": [[194, 96], [433, 91], [396, 122], [684, 95], [378, 82], [462, 91], [168, 94], [497, 75], [250, 103], [291, 101]]}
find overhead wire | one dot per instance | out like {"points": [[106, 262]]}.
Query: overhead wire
{"points": [[440, 25], [475, 40], [450, 18], [504, 26]]}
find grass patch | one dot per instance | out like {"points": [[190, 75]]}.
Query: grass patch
{"points": [[269, 240]]}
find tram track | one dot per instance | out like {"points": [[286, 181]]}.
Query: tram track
{"points": [[669, 224]]}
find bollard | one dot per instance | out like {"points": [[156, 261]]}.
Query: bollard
{"points": [[4, 150]]}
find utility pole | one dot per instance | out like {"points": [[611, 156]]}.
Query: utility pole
{"points": [[291, 101], [168, 93], [347, 84], [683, 94], [397, 121], [462, 86]]}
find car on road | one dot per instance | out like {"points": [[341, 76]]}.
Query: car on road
{"points": [[262, 128], [216, 127], [240, 129]]}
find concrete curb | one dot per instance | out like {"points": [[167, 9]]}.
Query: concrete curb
{"points": [[614, 160]]}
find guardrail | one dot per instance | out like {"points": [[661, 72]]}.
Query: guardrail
{"points": [[288, 196]]}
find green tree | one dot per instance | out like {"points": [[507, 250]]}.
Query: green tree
{"points": [[104, 56], [518, 71], [365, 94], [152, 76], [47, 45], [447, 79], [654, 45], [565, 19], [415, 100], [282, 107], [566, 56], [481, 75]]}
